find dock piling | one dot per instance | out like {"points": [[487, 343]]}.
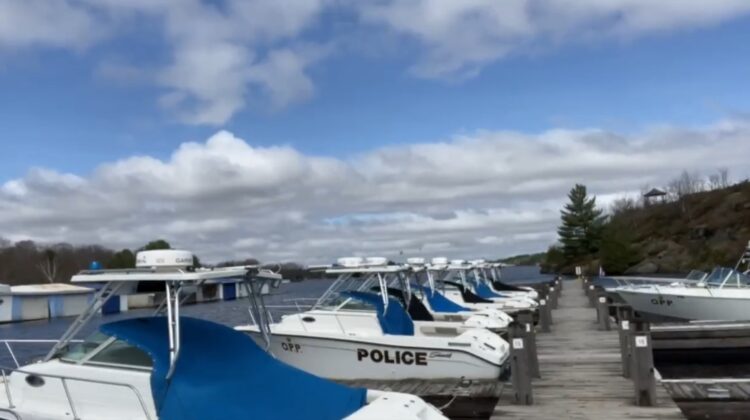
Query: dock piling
{"points": [[553, 298], [602, 311], [519, 365], [527, 319], [545, 315], [642, 370], [624, 317], [591, 293]]}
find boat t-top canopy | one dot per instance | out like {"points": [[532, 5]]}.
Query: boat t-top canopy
{"points": [[174, 270], [359, 274], [153, 275]]}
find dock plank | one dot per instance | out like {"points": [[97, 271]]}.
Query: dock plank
{"points": [[581, 377]]}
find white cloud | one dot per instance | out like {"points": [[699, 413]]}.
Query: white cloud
{"points": [[49, 23], [487, 194], [222, 54], [460, 37]]}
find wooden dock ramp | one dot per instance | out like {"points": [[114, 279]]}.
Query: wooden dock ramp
{"points": [[581, 373]]}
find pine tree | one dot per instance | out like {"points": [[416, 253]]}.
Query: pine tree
{"points": [[581, 229]]}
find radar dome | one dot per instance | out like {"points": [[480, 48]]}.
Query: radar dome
{"points": [[376, 261], [164, 258], [350, 262]]}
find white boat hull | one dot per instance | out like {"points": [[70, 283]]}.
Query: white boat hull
{"points": [[689, 303], [363, 359]]}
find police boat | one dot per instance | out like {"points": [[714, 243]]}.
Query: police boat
{"points": [[172, 367], [490, 274], [354, 335], [476, 280], [456, 282], [425, 303]]}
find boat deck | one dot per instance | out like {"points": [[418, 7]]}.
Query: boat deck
{"points": [[581, 373]]}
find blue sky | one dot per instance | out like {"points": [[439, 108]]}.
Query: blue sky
{"points": [[58, 112], [90, 84]]}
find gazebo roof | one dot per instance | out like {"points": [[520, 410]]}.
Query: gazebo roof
{"points": [[655, 192]]}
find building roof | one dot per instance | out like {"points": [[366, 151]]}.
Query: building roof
{"points": [[49, 289], [655, 192]]}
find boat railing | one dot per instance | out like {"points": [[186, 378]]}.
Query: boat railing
{"points": [[301, 304], [7, 343], [64, 380]]}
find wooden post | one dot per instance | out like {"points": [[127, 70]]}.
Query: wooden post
{"points": [[624, 317], [527, 319], [545, 315], [642, 370], [591, 293], [602, 310], [552, 298], [519, 365]]}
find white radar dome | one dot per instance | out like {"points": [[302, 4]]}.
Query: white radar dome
{"points": [[350, 262], [458, 262], [415, 261], [440, 261], [164, 258], [377, 261]]}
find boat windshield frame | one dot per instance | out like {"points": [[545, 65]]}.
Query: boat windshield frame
{"points": [[361, 279], [725, 277], [438, 274], [175, 281]]}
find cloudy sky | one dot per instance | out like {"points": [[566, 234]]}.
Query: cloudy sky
{"points": [[309, 129]]}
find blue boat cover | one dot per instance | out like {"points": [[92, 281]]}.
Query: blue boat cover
{"points": [[484, 291], [394, 320], [222, 373], [440, 303]]}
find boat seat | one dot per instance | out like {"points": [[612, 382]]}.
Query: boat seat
{"points": [[484, 291], [393, 320], [469, 296], [417, 310], [504, 287], [440, 303], [223, 373]]}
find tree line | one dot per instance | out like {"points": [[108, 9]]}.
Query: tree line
{"points": [[28, 262], [588, 235]]}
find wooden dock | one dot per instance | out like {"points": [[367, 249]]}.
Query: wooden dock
{"points": [[581, 372]]}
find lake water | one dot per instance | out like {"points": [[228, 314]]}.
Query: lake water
{"points": [[230, 313]]}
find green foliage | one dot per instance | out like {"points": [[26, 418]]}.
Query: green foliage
{"points": [[554, 259], [122, 259], [618, 251], [157, 244], [581, 229]]}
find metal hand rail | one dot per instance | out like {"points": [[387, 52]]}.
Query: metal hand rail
{"points": [[64, 380], [12, 354]]}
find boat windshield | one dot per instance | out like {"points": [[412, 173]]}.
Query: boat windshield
{"points": [[340, 302], [696, 275], [727, 277], [101, 349]]}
